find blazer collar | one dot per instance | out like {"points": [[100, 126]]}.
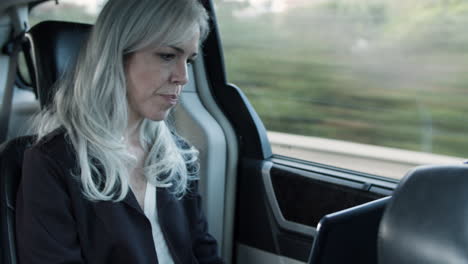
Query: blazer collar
{"points": [[163, 198], [131, 201]]}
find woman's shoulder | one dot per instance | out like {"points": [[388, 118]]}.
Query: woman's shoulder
{"points": [[54, 138], [51, 157], [56, 145]]}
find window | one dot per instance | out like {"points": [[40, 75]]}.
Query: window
{"points": [[83, 11], [376, 86]]}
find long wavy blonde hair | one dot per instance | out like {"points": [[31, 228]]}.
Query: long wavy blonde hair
{"points": [[91, 102]]}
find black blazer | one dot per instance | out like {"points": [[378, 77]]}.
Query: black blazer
{"points": [[55, 223]]}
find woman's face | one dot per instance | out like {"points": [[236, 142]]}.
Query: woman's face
{"points": [[155, 78]]}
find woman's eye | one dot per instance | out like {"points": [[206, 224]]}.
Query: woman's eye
{"points": [[190, 61], [166, 56]]}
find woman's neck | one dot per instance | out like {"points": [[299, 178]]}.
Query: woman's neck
{"points": [[132, 133], [137, 178]]}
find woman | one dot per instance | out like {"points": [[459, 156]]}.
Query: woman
{"points": [[107, 181]]}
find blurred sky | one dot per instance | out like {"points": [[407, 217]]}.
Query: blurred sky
{"points": [[258, 7]]}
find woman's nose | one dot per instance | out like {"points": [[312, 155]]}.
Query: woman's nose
{"points": [[180, 73]]}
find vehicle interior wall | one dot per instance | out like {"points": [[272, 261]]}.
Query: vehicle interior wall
{"points": [[18, 107], [5, 29]]}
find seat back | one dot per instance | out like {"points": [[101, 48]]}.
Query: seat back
{"points": [[11, 159], [426, 220], [55, 46], [349, 236]]}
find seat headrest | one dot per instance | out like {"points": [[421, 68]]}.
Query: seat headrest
{"points": [[426, 220], [55, 48]]}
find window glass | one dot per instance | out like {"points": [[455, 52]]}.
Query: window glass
{"points": [[83, 11], [357, 84]]}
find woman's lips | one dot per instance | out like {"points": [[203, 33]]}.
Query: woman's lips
{"points": [[170, 98]]}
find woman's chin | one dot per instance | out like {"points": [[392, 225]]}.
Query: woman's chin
{"points": [[159, 116]]}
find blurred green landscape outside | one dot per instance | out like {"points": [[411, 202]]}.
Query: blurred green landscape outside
{"points": [[382, 72]]}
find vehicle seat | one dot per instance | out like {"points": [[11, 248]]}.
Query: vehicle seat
{"points": [[55, 46], [426, 220], [349, 235], [11, 159]]}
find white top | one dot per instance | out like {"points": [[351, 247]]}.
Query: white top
{"points": [[162, 252]]}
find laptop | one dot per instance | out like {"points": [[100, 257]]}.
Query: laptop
{"points": [[349, 236]]}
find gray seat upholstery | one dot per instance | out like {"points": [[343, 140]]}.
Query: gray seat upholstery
{"points": [[11, 158], [349, 236], [56, 46], [426, 220]]}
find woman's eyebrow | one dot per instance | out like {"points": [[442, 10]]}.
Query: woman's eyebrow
{"points": [[182, 51]]}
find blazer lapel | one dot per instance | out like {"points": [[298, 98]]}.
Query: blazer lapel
{"points": [[131, 201], [173, 225], [163, 198]]}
